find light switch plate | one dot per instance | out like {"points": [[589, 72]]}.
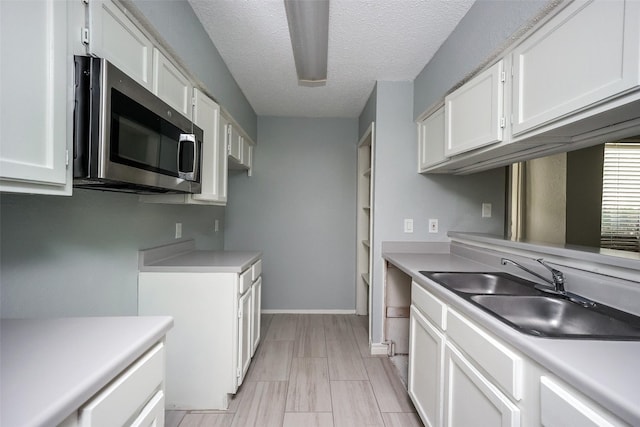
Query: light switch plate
{"points": [[486, 210], [408, 225]]}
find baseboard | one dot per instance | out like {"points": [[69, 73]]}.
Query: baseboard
{"points": [[378, 348], [308, 311]]}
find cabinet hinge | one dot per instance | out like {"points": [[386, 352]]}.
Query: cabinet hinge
{"points": [[66, 158], [239, 372], [503, 76], [229, 130], [85, 36], [193, 101], [239, 314], [502, 122]]}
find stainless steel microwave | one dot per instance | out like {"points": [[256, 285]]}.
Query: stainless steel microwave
{"points": [[126, 138]]}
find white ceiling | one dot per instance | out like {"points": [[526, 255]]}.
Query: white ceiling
{"points": [[369, 40]]}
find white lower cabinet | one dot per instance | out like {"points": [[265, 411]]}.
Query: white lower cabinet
{"points": [[471, 399], [209, 349], [256, 300], [426, 356], [561, 406]]}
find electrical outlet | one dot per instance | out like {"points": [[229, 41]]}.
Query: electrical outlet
{"points": [[486, 210], [178, 230], [433, 226], [216, 225], [408, 225]]}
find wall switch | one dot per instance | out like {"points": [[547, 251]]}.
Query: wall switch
{"points": [[178, 230], [433, 226], [408, 225], [486, 210], [216, 225]]}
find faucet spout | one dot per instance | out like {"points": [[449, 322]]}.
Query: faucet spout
{"points": [[557, 280]]}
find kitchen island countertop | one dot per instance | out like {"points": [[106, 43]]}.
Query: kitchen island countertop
{"points": [[50, 367]]}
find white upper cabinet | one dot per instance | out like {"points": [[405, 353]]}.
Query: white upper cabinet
{"points": [[474, 113], [431, 140], [171, 85], [113, 36], [586, 54], [206, 115], [239, 146], [35, 119]]}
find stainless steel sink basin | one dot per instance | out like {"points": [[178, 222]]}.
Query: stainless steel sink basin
{"points": [[483, 283], [557, 317]]}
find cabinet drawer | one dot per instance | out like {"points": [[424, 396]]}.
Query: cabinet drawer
{"points": [[153, 413], [256, 270], [501, 363], [429, 305], [122, 400], [245, 281], [561, 407]]}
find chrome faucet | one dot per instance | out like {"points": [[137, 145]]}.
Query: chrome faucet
{"points": [[557, 280]]}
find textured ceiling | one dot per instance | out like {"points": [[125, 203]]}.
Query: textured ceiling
{"points": [[369, 40]]}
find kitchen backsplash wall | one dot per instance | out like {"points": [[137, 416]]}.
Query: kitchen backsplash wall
{"points": [[78, 256]]}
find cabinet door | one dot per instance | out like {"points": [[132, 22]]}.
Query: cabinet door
{"points": [[426, 355], [247, 151], [235, 144], [256, 302], [431, 140], [113, 36], [560, 407], [36, 72], [206, 115], [474, 113], [471, 399], [587, 53], [170, 84], [244, 335]]}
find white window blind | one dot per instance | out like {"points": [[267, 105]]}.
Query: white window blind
{"points": [[620, 228]]}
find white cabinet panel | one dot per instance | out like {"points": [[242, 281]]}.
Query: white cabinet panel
{"points": [[474, 113], [171, 85], [153, 413], [431, 140], [114, 37], [245, 343], [587, 53], [126, 395], [206, 115], [256, 301], [560, 407], [35, 76], [426, 355], [470, 399], [235, 144]]}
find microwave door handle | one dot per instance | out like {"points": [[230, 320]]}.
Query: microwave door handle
{"points": [[187, 138]]}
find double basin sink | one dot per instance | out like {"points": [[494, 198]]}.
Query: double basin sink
{"points": [[522, 305]]}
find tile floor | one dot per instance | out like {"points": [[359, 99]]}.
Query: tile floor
{"points": [[312, 370]]}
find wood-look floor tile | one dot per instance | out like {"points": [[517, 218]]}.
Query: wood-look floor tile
{"points": [[361, 333], [272, 363], [338, 327], [282, 328], [207, 420], [309, 389], [410, 419], [262, 405], [310, 337], [390, 392], [345, 362], [173, 418], [308, 419], [265, 322], [354, 404]]}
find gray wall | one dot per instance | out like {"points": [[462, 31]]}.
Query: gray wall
{"points": [[177, 23], [400, 192], [484, 29], [299, 209], [77, 256]]}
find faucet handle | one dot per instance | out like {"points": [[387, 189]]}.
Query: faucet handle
{"points": [[558, 276]]}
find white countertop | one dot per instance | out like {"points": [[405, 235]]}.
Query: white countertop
{"points": [[183, 257], [606, 371], [51, 367]]}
